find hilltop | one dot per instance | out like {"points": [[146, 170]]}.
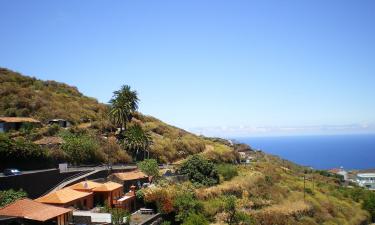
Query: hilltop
{"points": [[26, 96]]}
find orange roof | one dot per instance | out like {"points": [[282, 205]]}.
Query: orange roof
{"points": [[133, 175], [62, 196], [85, 185], [32, 210], [18, 120], [49, 140], [108, 186]]}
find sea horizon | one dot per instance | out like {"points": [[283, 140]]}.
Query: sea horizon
{"points": [[351, 151]]}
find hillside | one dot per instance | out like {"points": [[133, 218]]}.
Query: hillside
{"points": [[26, 96], [269, 191]]}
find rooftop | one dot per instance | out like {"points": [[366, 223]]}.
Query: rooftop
{"points": [[32, 210], [133, 175], [62, 196], [85, 185], [18, 120], [108, 186]]}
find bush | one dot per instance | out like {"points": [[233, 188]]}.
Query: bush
{"points": [[185, 203], [9, 196], [369, 204], [195, 219], [227, 171], [81, 148], [149, 167], [200, 171]]}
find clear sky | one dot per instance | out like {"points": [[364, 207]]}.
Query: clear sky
{"points": [[210, 66]]}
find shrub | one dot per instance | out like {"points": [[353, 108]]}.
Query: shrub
{"points": [[9, 196], [149, 167], [227, 171], [81, 148], [185, 204], [195, 219], [200, 171]]}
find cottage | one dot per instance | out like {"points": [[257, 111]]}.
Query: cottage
{"points": [[68, 197], [15, 123], [103, 193], [60, 122], [26, 211], [128, 179]]}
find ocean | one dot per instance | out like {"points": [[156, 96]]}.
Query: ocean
{"points": [[320, 152]]}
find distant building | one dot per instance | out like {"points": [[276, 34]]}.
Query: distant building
{"points": [[366, 180], [340, 171], [60, 122], [15, 123], [26, 211]]}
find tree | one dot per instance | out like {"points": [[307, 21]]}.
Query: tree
{"points": [[195, 219], [9, 196], [137, 140], [200, 171], [185, 204], [123, 103], [233, 216], [149, 167]]}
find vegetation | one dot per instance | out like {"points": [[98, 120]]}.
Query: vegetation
{"points": [[123, 104], [227, 171], [26, 96], [195, 219], [149, 167], [200, 171], [9, 196], [136, 140]]}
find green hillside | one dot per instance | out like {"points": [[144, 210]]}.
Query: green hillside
{"points": [[27, 96]]}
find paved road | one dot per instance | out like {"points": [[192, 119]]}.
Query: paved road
{"points": [[72, 169]]}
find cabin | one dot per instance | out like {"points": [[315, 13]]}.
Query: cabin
{"points": [[128, 179], [28, 212], [68, 197], [15, 123], [60, 122]]}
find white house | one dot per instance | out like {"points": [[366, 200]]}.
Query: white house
{"points": [[366, 180]]}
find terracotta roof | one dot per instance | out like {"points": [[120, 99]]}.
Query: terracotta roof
{"points": [[62, 196], [49, 141], [32, 210], [18, 120], [85, 185], [133, 175], [108, 186]]}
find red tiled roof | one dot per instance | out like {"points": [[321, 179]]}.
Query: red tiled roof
{"points": [[133, 175], [85, 185], [62, 196], [108, 186], [18, 120], [32, 210]]}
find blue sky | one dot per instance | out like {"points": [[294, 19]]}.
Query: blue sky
{"points": [[214, 67]]}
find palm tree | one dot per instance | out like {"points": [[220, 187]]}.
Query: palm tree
{"points": [[123, 103], [137, 140]]}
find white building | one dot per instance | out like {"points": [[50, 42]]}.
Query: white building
{"points": [[366, 180]]}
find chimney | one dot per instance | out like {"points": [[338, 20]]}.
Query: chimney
{"points": [[132, 189]]}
